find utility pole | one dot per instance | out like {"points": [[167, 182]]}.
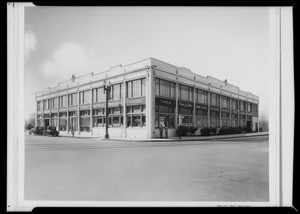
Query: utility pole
{"points": [[106, 90]]}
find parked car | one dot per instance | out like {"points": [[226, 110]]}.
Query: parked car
{"points": [[51, 131], [37, 131]]}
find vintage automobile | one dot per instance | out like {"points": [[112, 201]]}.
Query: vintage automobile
{"points": [[37, 131], [51, 131]]}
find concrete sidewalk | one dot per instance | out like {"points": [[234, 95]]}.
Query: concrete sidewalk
{"points": [[184, 138]]}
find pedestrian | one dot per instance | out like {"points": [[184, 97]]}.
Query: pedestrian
{"points": [[72, 131], [161, 131], [179, 132], [166, 131]]}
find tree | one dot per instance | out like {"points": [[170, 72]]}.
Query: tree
{"points": [[30, 122]]}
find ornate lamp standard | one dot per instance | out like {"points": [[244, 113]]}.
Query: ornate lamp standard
{"points": [[106, 90]]}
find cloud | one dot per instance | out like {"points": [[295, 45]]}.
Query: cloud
{"points": [[70, 58], [30, 44]]}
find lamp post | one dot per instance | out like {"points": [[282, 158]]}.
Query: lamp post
{"points": [[106, 90]]}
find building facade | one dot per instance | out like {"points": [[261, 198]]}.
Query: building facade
{"points": [[143, 96]]}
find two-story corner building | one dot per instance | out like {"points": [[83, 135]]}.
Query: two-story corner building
{"points": [[144, 95]]}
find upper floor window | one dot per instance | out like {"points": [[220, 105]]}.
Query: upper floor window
{"points": [[225, 102], [234, 104], [242, 105], [73, 99], [39, 105], [164, 88], [186, 93], [215, 99], [84, 97], [53, 102], [117, 91], [63, 101], [249, 107], [136, 88], [98, 95], [255, 108], [45, 104], [201, 96]]}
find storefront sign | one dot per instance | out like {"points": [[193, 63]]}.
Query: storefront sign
{"points": [[117, 103], [202, 107], [214, 109], [234, 111], [225, 110], [62, 109], [73, 108], [98, 105], [84, 107], [164, 102], [54, 110], [184, 104], [137, 101], [46, 111]]}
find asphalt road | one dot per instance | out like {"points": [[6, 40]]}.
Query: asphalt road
{"points": [[88, 169]]}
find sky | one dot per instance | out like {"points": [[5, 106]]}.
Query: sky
{"points": [[224, 42]]}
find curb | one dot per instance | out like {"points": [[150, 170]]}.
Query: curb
{"points": [[196, 139]]}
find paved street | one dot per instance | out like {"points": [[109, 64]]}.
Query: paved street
{"points": [[66, 168]]}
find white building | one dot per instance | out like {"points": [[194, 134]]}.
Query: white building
{"points": [[144, 94]]}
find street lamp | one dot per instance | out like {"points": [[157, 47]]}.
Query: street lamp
{"points": [[106, 89]]}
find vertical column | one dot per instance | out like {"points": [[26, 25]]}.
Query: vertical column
{"points": [[230, 107], [220, 115], [147, 89], [208, 108], [152, 104], [194, 107], [176, 104], [246, 111], [49, 107], [68, 123], [36, 110], [78, 111], [91, 109], [238, 111], [258, 115], [125, 110], [57, 106]]}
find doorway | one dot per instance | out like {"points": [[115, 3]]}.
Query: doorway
{"points": [[46, 123]]}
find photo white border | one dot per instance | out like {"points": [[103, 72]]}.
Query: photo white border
{"points": [[280, 182]]}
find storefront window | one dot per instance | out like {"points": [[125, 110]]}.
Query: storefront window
{"points": [[201, 121], [73, 124], [62, 124], [85, 124], [129, 121], [234, 123], [215, 122], [200, 112]]}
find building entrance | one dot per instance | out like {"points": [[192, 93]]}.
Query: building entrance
{"points": [[46, 123], [249, 124]]}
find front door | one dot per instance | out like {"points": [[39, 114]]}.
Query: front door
{"points": [[46, 123], [249, 123]]}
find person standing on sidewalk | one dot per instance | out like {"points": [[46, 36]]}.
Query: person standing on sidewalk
{"points": [[161, 130], [72, 131], [166, 131], [179, 132]]}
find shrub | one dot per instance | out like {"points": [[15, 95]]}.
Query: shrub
{"points": [[182, 130], [192, 130], [229, 130], [207, 131]]}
